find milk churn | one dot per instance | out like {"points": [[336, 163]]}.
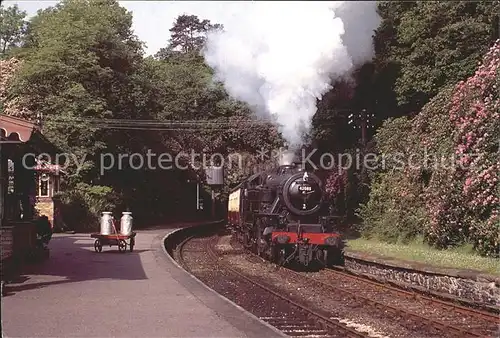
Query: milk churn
{"points": [[126, 223], [106, 223]]}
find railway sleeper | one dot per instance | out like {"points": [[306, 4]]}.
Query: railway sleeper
{"points": [[298, 326], [306, 333], [282, 320]]}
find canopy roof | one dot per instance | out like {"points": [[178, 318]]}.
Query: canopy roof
{"points": [[16, 130]]}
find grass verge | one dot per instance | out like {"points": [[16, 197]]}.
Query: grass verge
{"points": [[456, 258]]}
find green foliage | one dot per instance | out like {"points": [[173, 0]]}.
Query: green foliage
{"points": [[13, 26], [83, 204], [434, 43], [81, 63], [396, 210], [394, 213], [446, 189], [187, 36], [461, 257]]}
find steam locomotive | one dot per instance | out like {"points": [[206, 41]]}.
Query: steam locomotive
{"points": [[281, 215]]}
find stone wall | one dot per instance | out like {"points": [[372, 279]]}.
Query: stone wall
{"points": [[470, 286], [45, 207]]}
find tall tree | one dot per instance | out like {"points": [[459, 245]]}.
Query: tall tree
{"points": [[12, 27], [433, 43], [81, 64], [187, 35]]}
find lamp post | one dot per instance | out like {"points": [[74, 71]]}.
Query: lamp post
{"points": [[197, 195], [199, 206]]}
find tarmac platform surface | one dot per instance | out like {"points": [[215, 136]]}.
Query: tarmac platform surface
{"points": [[80, 293]]}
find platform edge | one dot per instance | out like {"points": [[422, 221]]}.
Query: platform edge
{"points": [[214, 293]]}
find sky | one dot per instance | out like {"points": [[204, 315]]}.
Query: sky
{"points": [[152, 19]]}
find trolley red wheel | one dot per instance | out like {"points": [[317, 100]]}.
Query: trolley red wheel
{"points": [[122, 245], [97, 246]]}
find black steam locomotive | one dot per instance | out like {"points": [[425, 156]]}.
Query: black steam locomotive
{"points": [[281, 215]]}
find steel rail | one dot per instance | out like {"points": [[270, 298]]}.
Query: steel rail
{"points": [[324, 321], [435, 323], [408, 294], [440, 325]]}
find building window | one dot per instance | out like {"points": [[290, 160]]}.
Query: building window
{"points": [[10, 170], [44, 185]]}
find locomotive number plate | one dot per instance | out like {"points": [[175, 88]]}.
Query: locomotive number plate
{"points": [[305, 188]]}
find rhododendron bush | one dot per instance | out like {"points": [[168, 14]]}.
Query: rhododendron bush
{"points": [[454, 173], [345, 186], [475, 114], [335, 183]]}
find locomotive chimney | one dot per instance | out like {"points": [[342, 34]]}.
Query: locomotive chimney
{"points": [[286, 157]]}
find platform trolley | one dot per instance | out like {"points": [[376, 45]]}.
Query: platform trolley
{"points": [[122, 241]]}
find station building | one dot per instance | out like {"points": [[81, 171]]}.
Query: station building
{"points": [[27, 186]]}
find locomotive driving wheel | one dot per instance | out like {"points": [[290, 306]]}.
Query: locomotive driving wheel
{"points": [[260, 242], [247, 240], [278, 254]]}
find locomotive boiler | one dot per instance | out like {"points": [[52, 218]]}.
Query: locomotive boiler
{"points": [[281, 215]]}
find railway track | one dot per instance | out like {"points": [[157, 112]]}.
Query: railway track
{"points": [[282, 312], [485, 323], [416, 308], [403, 311], [413, 310]]}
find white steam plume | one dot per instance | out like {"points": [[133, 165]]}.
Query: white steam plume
{"points": [[280, 57]]}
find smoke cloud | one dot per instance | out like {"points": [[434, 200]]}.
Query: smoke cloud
{"points": [[286, 157], [280, 57]]}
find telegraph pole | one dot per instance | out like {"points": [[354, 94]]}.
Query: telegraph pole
{"points": [[39, 120], [362, 120], [364, 124]]}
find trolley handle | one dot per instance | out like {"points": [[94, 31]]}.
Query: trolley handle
{"points": [[113, 222]]}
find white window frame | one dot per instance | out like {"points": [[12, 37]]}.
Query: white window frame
{"points": [[40, 185]]}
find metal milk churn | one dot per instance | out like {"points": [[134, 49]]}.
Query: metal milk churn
{"points": [[126, 223], [106, 223]]}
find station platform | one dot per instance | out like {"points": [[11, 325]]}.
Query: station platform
{"points": [[80, 293]]}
